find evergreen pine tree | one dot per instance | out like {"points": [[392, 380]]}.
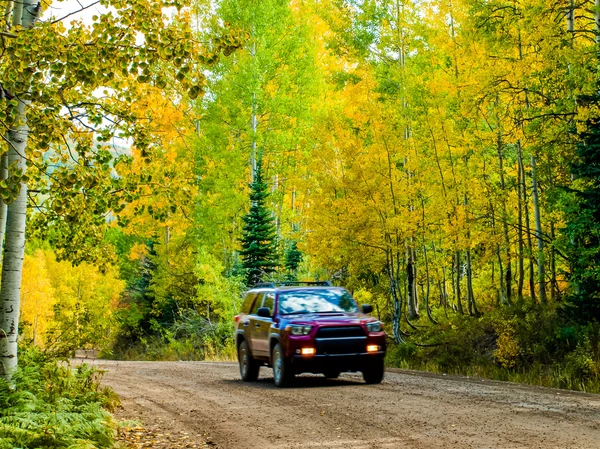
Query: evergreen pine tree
{"points": [[258, 237], [293, 258], [583, 229]]}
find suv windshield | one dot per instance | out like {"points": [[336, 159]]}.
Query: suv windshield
{"points": [[316, 301]]}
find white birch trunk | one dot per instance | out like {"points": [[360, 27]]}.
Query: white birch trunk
{"points": [[538, 233], [253, 156], [3, 207], [12, 268], [597, 19], [7, 12], [25, 14]]}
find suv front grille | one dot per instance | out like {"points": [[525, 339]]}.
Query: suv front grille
{"points": [[340, 340], [340, 332]]}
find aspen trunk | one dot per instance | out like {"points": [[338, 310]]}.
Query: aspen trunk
{"points": [[441, 283], [3, 206], [538, 233], [554, 292], [413, 310], [10, 287], [8, 9], [427, 286], [458, 291], [508, 272], [520, 188], [527, 230], [597, 19], [470, 296], [254, 124], [24, 13], [571, 17], [397, 297], [471, 306]]}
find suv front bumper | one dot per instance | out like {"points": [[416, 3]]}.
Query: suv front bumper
{"points": [[321, 363]]}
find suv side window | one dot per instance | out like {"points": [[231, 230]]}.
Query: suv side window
{"points": [[257, 304], [269, 301], [248, 303]]}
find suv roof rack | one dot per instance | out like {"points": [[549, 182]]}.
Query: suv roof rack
{"points": [[291, 284]]}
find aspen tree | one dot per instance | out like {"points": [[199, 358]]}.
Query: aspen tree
{"points": [[51, 78]]}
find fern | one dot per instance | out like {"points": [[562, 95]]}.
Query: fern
{"points": [[51, 405]]}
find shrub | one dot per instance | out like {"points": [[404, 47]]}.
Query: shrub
{"points": [[49, 404]]}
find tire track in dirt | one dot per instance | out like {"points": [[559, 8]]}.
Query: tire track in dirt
{"points": [[408, 410]]}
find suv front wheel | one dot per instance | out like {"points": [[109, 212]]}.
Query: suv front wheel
{"points": [[282, 373], [248, 365], [373, 374]]}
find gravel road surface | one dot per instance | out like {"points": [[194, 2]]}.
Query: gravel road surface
{"points": [[212, 407]]}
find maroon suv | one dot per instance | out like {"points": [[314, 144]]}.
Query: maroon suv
{"points": [[307, 327]]}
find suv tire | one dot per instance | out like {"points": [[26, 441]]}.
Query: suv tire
{"points": [[373, 374], [282, 373], [248, 365], [332, 374]]}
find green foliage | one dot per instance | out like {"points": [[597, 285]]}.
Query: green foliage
{"points": [[293, 258], [583, 229], [53, 405], [258, 236], [158, 323], [521, 344], [191, 337]]}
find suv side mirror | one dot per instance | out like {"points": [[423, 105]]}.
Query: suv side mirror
{"points": [[366, 308], [264, 312]]}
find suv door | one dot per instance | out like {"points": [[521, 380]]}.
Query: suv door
{"points": [[262, 327], [253, 324]]}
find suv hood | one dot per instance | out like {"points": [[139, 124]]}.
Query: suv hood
{"points": [[328, 319]]}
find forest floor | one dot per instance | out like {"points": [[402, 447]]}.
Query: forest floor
{"points": [[205, 405]]}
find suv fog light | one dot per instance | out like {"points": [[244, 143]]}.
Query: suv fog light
{"points": [[308, 351], [372, 348]]}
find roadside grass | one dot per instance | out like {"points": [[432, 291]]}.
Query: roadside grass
{"points": [[50, 404], [528, 345], [551, 377], [159, 348]]}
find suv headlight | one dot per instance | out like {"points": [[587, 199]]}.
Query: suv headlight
{"points": [[299, 329], [374, 326]]}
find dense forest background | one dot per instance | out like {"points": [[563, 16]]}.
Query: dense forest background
{"points": [[439, 159]]}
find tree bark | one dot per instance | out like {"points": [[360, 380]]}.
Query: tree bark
{"points": [[397, 297], [25, 13], [597, 19], [254, 124], [427, 286], [538, 233], [411, 276], [527, 230], [10, 287], [458, 291], [3, 206], [470, 295], [554, 291], [508, 273], [571, 17], [520, 188]]}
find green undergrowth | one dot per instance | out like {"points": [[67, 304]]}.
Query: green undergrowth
{"points": [[191, 337], [527, 345], [50, 404]]}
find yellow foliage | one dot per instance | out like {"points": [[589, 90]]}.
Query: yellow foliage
{"points": [[64, 304], [138, 251], [508, 350], [37, 298]]}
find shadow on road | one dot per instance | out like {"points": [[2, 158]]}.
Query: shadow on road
{"points": [[304, 382]]}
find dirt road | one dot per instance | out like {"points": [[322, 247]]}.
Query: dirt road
{"points": [[408, 410]]}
